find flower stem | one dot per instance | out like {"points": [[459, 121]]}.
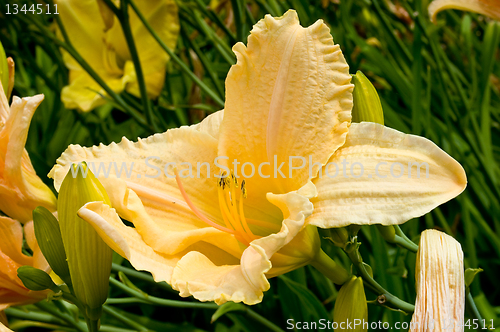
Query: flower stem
{"points": [[127, 31], [258, 318], [176, 59], [162, 302], [384, 297], [329, 268]]}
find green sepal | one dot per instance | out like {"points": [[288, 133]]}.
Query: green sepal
{"points": [[48, 236], [35, 279], [470, 274], [351, 305], [366, 103], [89, 257]]}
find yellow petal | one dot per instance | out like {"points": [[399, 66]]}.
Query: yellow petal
{"points": [[489, 8], [379, 196], [98, 37], [39, 261], [163, 18], [84, 93], [440, 283], [21, 190], [288, 95], [150, 199]]}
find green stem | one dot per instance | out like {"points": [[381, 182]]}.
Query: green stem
{"points": [[68, 47], [127, 31], [44, 306], [328, 267], [130, 322], [142, 276], [159, 301], [92, 324], [471, 306], [268, 324], [384, 297], [34, 316], [402, 240], [176, 59]]}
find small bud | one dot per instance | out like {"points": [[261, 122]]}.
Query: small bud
{"points": [[35, 279], [89, 258], [350, 306], [339, 236], [48, 235], [388, 232], [367, 106], [440, 284]]}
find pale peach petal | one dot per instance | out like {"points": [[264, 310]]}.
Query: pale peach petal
{"points": [[148, 197], [288, 95], [489, 8], [384, 198], [245, 282], [126, 241], [3, 328], [440, 283], [211, 124]]}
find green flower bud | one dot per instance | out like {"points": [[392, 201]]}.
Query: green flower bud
{"points": [[367, 106], [48, 236], [89, 258], [4, 70], [388, 232], [35, 279], [351, 307], [339, 236]]}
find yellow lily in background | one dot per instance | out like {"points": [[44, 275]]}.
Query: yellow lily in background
{"points": [[21, 190], [490, 8], [289, 96], [12, 290], [98, 37], [440, 282]]}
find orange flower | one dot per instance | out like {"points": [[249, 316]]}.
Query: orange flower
{"points": [[12, 290]]}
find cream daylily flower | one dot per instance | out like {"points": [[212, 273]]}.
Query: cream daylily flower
{"points": [[289, 96], [440, 282], [21, 190], [489, 8], [98, 37], [12, 290]]}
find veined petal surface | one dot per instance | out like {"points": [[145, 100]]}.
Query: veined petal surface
{"points": [[386, 192], [289, 95]]}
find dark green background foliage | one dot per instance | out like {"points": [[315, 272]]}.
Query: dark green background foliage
{"points": [[439, 81]]}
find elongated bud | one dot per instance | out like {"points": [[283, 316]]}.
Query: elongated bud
{"points": [[48, 236], [4, 70], [89, 258], [351, 310], [367, 106], [440, 284], [35, 279]]}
